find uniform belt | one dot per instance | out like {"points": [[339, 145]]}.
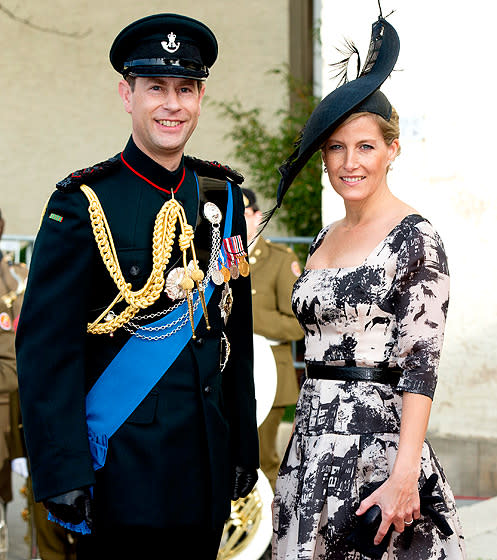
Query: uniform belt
{"points": [[386, 375]]}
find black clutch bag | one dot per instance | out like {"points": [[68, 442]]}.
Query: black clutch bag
{"points": [[362, 536]]}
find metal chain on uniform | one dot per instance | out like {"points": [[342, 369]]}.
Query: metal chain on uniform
{"points": [[178, 324], [162, 244], [212, 265], [181, 321]]}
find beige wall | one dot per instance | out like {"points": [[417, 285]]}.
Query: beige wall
{"points": [[60, 107]]}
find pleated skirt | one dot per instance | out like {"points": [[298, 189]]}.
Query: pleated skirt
{"points": [[346, 436]]}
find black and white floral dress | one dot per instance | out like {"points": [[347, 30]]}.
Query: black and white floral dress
{"points": [[390, 310]]}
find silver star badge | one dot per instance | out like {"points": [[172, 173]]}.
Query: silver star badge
{"points": [[226, 302]]}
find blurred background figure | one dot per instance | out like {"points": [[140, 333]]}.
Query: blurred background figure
{"points": [[53, 542], [273, 270], [45, 539], [12, 283]]}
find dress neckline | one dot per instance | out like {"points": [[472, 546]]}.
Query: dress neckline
{"points": [[372, 252]]}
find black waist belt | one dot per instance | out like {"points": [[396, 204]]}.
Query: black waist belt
{"points": [[386, 375]]}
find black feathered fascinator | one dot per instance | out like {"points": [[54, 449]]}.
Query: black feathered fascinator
{"points": [[361, 94]]}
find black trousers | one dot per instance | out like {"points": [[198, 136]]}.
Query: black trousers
{"points": [[137, 543]]}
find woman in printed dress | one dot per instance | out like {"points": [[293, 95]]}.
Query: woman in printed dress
{"points": [[373, 301]]}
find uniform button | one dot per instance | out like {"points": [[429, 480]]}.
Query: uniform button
{"points": [[199, 341], [254, 292], [252, 260], [134, 270], [207, 389]]}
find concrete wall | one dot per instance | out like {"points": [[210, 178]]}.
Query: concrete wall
{"points": [[60, 108], [470, 464]]}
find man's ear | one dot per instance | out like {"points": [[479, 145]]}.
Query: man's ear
{"points": [[126, 94]]}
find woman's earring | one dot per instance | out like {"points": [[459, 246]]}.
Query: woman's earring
{"points": [[325, 169]]}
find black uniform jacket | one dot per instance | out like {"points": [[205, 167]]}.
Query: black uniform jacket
{"points": [[171, 462]]}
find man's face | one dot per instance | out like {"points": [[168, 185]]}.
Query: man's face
{"points": [[164, 113], [253, 219]]}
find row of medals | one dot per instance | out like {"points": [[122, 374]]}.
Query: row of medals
{"points": [[224, 274], [219, 276]]}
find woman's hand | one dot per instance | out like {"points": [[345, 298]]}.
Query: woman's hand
{"points": [[398, 499], [398, 496]]}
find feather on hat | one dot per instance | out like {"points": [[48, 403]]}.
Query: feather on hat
{"points": [[361, 94]]}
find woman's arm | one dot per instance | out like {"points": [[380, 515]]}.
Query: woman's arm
{"points": [[421, 302], [398, 497]]}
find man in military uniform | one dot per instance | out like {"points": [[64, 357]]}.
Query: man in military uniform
{"points": [[135, 367], [52, 542], [273, 270], [12, 284], [11, 288], [8, 384]]}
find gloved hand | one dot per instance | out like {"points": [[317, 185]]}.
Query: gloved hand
{"points": [[72, 507], [243, 482]]}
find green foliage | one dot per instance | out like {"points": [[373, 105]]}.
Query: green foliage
{"points": [[289, 414], [263, 149]]}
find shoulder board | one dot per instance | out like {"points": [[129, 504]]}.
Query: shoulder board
{"points": [[73, 181], [213, 169]]}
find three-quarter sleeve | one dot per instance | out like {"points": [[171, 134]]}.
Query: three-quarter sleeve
{"points": [[421, 303]]}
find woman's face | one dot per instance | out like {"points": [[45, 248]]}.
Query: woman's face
{"points": [[357, 158]]}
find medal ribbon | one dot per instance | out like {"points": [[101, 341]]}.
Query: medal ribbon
{"points": [[170, 191], [233, 248], [222, 259], [238, 246]]}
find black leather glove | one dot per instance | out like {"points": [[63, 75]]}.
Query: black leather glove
{"points": [[71, 507], [243, 482]]}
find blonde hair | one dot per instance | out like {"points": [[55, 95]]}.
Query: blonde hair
{"points": [[389, 129]]}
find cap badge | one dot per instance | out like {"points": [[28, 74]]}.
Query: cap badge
{"points": [[172, 46]]}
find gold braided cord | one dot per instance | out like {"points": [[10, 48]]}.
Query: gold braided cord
{"points": [[44, 211], [162, 244]]}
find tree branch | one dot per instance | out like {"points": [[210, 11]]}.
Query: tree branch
{"points": [[52, 30]]}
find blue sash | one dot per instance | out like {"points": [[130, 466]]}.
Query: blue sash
{"points": [[133, 373], [137, 368]]}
